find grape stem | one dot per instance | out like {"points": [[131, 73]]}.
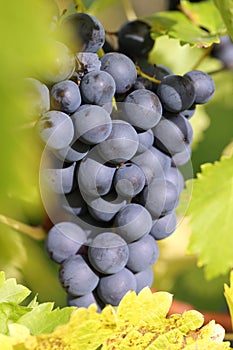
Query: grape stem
{"points": [[144, 75], [36, 232], [201, 59], [129, 10]]}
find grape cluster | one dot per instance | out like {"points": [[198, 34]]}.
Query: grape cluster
{"points": [[114, 140]]}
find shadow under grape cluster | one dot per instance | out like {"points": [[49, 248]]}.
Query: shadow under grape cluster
{"points": [[114, 140]]}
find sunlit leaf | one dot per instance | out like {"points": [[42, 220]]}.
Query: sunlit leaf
{"points": [[211, 211], [228, 292], [226, 9]]}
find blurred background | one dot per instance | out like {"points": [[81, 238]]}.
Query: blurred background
{"points": [[25, 44]]}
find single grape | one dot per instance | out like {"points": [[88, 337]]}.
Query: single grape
{"points": [[87, 62], [121, 144], [153, 162], [142, 83], [112, 288], [129, 180], [63, 240], [56, 129], [104, 208], [203, 85], [146, 139], [76, 277], [83, 32], [132, 222], [83, 301], [164, 226], [65, 96], [92, 124], [121, 68], [173, 135], [176, 93], [108, 253], [189, 113], [97, 87], [37, 100], [134, 38], [175, 176], [182, 157], [142, 253], [61, 64], [94, 178], [144, 278], [59, 180], [159, 197], [224, 51], [143, 109]]}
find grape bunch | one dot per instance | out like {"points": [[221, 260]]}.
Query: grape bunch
{"points": [[114, 141]]}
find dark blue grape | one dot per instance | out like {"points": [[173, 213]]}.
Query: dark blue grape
{"points": [[134, 38], [173, 135], [112, 288], [83, 301], [97, 87], [189, 113], [153, 162], [83, 32], [87, 62], [65, 96], [104, 208], [121, 68], [143, 109], [73, 153], [142, 83], [94, 178], [121, 144], [56, 129], [132, 222], [159, 197], [164, 226], [144, 278], [64, 239], [175, 176], [204, 86], [108, 253], [142, 253], [92, 124], [182, 157], [176, 93], [129, 180], [76, 277], [146, 139], [60, 180], [224, 51]]}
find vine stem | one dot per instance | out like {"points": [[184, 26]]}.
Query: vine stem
{"points": [[144, 75], [201, 59], [36, 232], [129, 10]]}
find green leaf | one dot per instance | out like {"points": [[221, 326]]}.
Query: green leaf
{"points": [[225, 7], [42, 319], [176, 25], [10, 291], [211, 211], [205, 15], [10, 313]]}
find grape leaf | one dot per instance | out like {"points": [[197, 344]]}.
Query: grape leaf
{"points": [[10, 291], [177, 25], [205, 15], [228, 292], [211, 211], [225, 7], [43, 319]]}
